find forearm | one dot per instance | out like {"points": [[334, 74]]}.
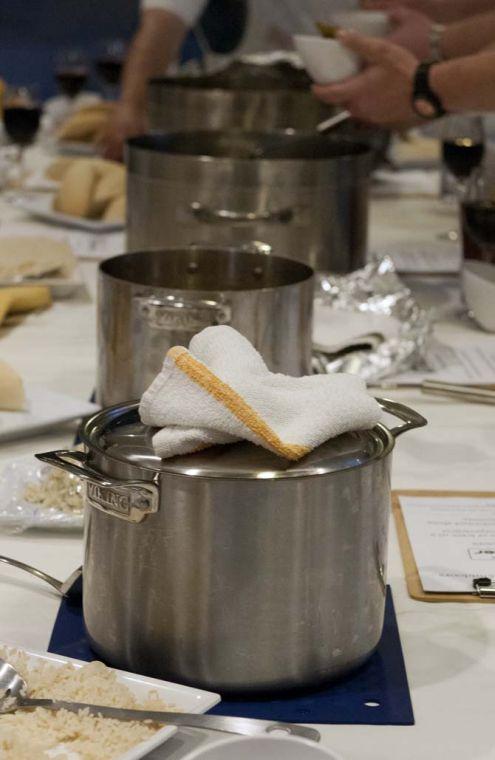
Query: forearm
{"points": [[154, 47], [466, 84], [449, 11], [468, 37]]}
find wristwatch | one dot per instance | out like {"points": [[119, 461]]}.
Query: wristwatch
{"points": [[425, 101]]}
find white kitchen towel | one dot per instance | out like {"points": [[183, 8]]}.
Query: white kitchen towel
{"points": [[220, 391]]}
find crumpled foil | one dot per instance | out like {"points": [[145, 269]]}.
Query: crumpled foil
{"points": [[375, 289]]}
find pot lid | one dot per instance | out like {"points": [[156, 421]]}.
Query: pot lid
{"points": [[119, 434]]}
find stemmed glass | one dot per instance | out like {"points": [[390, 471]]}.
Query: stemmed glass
{"points": [[478, 219], [71, 72], [463, 149], [21, 118], [109, 65]]}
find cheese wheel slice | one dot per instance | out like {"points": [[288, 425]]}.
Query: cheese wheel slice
{"points": [[12, 395]]}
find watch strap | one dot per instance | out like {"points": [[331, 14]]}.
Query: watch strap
{"points": [[423, 91]]}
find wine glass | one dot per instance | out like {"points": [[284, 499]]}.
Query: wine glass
{"points": [[463, 149], [478, 219], [21, 119], [71, 72], [109, 65]]}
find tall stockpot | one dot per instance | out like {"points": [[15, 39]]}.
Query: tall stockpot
{"points": [[233, 569], [248, 96], [304, 195], [242, 96], [149, 301]]}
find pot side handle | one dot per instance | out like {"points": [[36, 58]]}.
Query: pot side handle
{"points": [[209, 215], [410, 418], [130, 500]]}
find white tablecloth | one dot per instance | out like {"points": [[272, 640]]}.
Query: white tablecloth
{"points": [[449, 648]]}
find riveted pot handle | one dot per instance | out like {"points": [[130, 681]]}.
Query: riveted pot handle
{"points": [[410, 418], [130, 500], [180, 314], [218, 215]]}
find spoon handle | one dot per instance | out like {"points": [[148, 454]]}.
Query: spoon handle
{"points": [[56, 584], [245, 726]]}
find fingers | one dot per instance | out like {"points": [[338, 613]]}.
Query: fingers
{"points": [[341, 93], [398, 15], [372, 50]]}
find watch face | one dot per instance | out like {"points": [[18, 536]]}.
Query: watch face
{"points": [[424, 108]]}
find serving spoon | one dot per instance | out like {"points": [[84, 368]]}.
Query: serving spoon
{"points": [[13, 696]]}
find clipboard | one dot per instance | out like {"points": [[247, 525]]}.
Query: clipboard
{"points": [[413, 581]]}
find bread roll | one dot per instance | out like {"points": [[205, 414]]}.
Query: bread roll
{"points": [[110, 186], [23, 299], [116, 210], [57, 169], [33, 256], [75, 194], [12, 396], [83, 126]]}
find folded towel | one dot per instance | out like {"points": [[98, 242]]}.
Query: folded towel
{"points": [[220, 391]]}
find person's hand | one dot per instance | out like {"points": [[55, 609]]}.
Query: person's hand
{"points": [[126, 122], [381, 94], [411, 30], [429, 8]]}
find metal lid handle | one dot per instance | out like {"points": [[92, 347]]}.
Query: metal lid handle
{"points": [[410, 418]]}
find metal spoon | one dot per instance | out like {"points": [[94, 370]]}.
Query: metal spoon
{"points": [[64, 588], [13, 691], [325, 126]]}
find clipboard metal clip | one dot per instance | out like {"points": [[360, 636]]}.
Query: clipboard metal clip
{"points": [[484, 587]]}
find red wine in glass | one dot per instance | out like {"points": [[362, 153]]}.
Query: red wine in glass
{"points": [[462, 156], [479, 222], [21, 123], [71, 79], [109, 68]]}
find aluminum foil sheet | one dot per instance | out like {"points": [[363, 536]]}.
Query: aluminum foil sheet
{"points": [[376, 290]]}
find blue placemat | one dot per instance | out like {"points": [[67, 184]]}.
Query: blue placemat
{"points": [[376, 694]]}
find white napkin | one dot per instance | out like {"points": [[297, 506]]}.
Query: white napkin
{"points": [[220, 391]]}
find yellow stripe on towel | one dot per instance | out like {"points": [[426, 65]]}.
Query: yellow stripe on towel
{"points": [[202, 376]]}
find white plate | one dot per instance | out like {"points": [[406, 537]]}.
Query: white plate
{"points": [[45, 409], [60, 287], [76, 148], [17, 514], [40, 206], [263, 748], [185, 698]]}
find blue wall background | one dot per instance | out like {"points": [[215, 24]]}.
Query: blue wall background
{"points": [[31, 32]]}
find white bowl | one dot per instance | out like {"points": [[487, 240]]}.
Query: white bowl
{"points": [[370, 23], [262, 748], [478, 284], [326, 60]]}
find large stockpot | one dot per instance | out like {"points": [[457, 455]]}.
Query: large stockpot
{"points": [[149, 301], [232, 569], [304, 195], [248, 96], [242, 96]]}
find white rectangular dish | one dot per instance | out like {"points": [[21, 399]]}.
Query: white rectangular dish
{"points": [[45, 409], [184, 698], [40, 206], [17, 513]]}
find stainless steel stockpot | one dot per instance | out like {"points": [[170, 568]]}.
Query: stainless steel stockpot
{"points": [[249, 97], [242, 96], [305, 195], [150, 301], [232, 569]]}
